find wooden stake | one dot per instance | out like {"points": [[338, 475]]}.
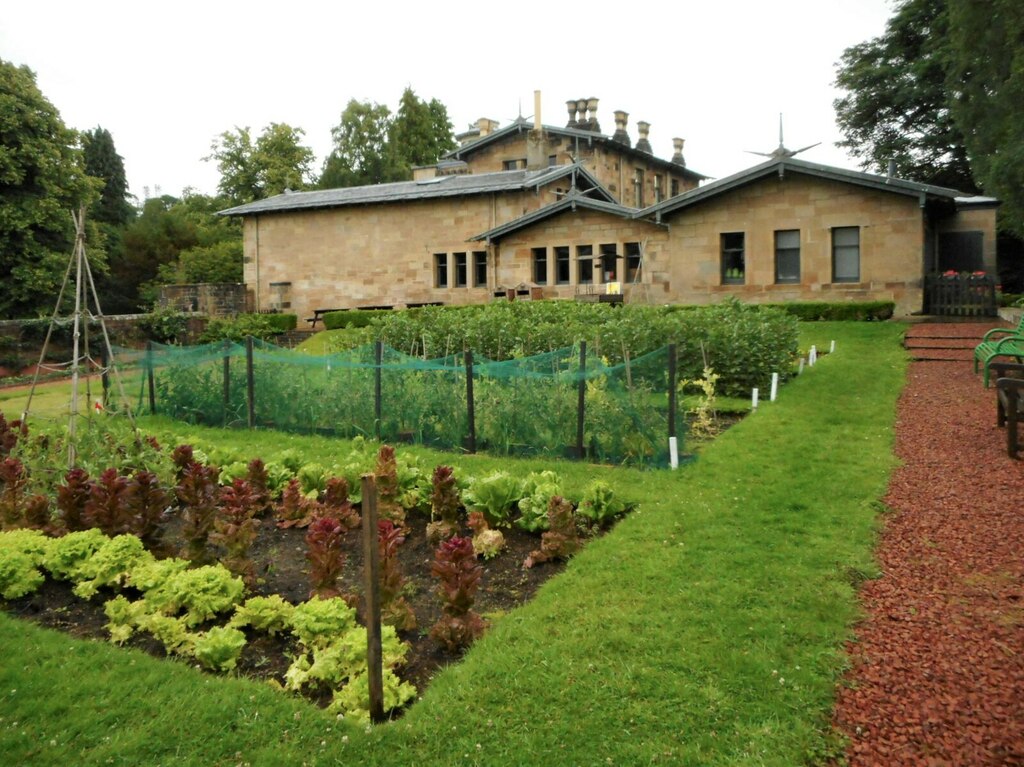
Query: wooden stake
{"points": [[371, 584]]}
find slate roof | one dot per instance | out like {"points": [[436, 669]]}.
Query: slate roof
{"points": [[583, 136], [571, 201], [404, 191], [781, 166]]}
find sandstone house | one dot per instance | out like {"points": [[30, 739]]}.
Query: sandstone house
{"points": [[569, 212]]}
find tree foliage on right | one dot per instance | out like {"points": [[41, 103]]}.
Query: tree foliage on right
{"points": [[939, 94]]}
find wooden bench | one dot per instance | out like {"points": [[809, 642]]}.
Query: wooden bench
{"points": [[1009, 402], [999, 342], [318, 314]]}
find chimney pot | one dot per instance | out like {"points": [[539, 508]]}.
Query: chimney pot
{"points": [[571, 106], [642, 143], [677, 156], [593, 124], [621, 136]]}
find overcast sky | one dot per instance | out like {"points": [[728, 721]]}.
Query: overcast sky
{"points": [[167, 79]]}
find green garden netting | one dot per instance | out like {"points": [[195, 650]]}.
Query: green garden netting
{"points": [[526, 406]]}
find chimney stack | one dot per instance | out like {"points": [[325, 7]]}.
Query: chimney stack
{"points": [[536, 111], [643, 143], [581, 117], [677, 156], [571, 106], [621, 136], [592, 123]]}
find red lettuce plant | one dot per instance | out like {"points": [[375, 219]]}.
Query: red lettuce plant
{"points": [[147, 503], [234, 528], [8, 435], [198, 493], [456, 566], [395, 611], [106, 506], [561, 540], [37, 513], [259, 482], [444, 506], [182, 456], [71, 499], [386, 478], [295, 509], [337, 505], [487, 542], [326, 556], [13, 481]]}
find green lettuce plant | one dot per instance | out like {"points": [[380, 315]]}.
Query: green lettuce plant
{"points": [[561, 540], [22, 553], [494, 496], [66, 555], [272, 614], [599, 505], [538, 488], [219, 648], [109, 565]]}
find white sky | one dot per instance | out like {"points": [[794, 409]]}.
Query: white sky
{"points": [[166, 79]]}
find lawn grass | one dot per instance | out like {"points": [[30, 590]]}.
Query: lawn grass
{"points": [[707, 628]]}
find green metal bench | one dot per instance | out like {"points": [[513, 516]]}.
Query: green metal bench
{"points": [[1009, 402], [999, 342]]}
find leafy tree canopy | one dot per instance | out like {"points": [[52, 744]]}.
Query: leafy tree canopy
{"points": [[373, 146], [42, 179], [897, 104], [986, 81], [252, 170], [103, 162]]}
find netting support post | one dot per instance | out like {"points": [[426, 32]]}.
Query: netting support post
{"points": [[371, 587], [378, 359], [581, 397], [227, 380], [672, 362], [105, 375], [470, 406], [149, 376], [250, 382]]}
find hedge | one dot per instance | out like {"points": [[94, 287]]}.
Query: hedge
{"points": [[840, 311], [353, 318]]}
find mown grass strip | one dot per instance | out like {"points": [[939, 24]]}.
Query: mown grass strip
{"points": [[705, 629]]}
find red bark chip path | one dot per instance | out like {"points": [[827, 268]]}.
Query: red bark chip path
{"points": [[937, 667]]}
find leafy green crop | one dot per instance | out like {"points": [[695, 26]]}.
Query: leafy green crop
{"points": [[494, 496]]}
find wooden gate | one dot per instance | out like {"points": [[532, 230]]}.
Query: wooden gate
{"points": [[960, 295]]}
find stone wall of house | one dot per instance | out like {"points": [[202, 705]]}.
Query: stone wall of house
{"points": [[379, 255], [616, 171], [975, 219], [212, 299]]}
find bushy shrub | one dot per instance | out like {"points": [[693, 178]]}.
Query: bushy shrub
{"points": [[262, 326], [353, 318]]}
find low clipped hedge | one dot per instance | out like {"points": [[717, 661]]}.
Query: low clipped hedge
{"points": [[840, 311], [353, 318], [264, 326]]}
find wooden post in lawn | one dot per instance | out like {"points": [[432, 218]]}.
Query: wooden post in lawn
{"points": [[371, 584], [105, 375], [250, 383], [149, 376], [378, 355], [581, 396], [227, 379], [470, 406]]}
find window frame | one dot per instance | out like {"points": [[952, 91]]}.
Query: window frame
{"points": [[633, 255], [730, 252], [847, 248], [563, 259], [785, 252], [461, 271], [479, 268], [585, 262], [539, 272], [441, 270]]}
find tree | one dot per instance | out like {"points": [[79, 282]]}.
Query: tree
{"points": [[897, 104], [42, 180], [103, 162], [986, 83], [372, 146], [249, 170], [362, 153]]}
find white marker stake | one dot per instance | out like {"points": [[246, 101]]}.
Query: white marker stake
{"points": [[832, 347], [775, 386], [802, 362], [813, 356], [753, 400], [673, 452]]}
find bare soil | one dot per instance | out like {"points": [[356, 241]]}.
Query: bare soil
{"points": [[280, 559]]}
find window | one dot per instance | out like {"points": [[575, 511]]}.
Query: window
{"points": [[513, 164], [480, 268], [633, 262], [562, 265], [584, 265], [638, 184], [659, 191], [441, 270], [540, 266], [734, 264], [552, 160], [609, 263], [787, 256], [461, 272], [675, 187], [846, 254]]}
